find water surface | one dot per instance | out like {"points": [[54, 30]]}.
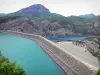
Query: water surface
{"points": [[29, 55], [67, 38]]}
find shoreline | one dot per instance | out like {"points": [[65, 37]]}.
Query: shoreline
{"points": [[69, 63]]}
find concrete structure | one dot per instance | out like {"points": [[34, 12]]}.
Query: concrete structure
{"points": [[80, 53], [66, 61]]}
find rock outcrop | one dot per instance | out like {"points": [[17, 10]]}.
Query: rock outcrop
{"points": [[97, 25], [44, 27]]}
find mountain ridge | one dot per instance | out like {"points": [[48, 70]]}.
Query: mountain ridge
{"points": [[35, 10], [50, 24]]}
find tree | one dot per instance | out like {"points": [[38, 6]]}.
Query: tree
{"points": [[98, 72], [8, 68]]}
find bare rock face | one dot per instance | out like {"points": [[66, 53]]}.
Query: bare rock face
{"points": [[94, 27], [36, 10], [44, 27], [97, 25], [48, 28]]}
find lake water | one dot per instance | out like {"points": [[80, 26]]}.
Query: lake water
{"points": [[67, 38], [29, 55]]}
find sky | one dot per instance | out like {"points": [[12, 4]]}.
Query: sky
{"points": [[64, 7]]}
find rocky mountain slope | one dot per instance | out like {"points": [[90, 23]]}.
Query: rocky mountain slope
{"points": [[37, 19], [44, 27], [1, 14], [96, 25]]}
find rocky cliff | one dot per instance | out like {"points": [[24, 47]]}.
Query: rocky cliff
{"points": [[44, 27], [96, 25]]}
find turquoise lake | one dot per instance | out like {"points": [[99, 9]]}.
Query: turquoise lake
{"points": [[29, 55], [67, 38]]}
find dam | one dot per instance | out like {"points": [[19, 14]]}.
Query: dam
{"points": [[67, 62], [28, 55]]}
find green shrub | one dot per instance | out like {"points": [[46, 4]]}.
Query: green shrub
{"points": [[98, 38], [8, 68], [98, 72]]}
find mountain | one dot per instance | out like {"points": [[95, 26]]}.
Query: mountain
{"points": [[87, 15], [39, 27], [37, 19], [96, 25], [2, 14], [36, 10]]}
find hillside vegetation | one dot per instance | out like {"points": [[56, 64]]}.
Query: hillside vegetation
{"points": [[9, 68]]}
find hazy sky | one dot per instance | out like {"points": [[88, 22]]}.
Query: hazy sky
{"points": [[64, 7]]}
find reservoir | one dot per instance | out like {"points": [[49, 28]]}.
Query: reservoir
{"points": [[67, 38], [28, 55]]}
